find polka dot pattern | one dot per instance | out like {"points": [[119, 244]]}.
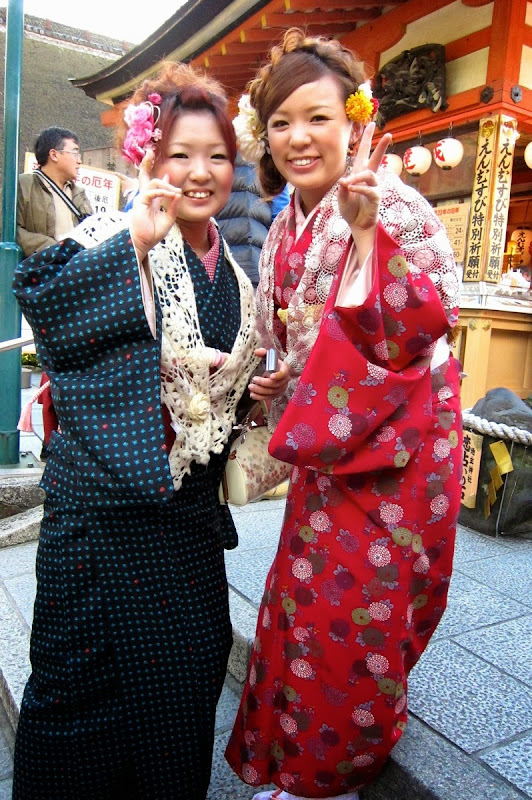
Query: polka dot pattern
{"points": [[131, 630]]}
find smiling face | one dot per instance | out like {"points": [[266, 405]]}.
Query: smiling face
{"points": [[309, 135], [196, 159]]}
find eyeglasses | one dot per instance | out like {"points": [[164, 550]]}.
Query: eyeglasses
{"points": [[77, 155]]}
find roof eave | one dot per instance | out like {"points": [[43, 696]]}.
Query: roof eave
{"points": [[182, 37]]}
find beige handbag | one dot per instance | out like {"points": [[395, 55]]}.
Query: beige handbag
{"points": [[251, 471]]}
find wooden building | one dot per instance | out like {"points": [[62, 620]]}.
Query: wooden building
{"points": [[486, 105]]}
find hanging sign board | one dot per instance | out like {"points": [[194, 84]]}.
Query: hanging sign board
{"points": [[500, 197], [472, 453], [480, 200], [455, 217]]}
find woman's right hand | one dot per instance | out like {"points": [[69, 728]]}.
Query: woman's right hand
{"points": [[154, 208]]}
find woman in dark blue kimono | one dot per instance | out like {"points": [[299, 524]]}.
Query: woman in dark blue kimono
{"points": [[146, 327]]}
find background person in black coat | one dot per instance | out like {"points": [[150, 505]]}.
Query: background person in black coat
{"points": [[246, 218]]}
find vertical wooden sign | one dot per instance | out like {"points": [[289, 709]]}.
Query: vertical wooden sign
{"points": [[500, 198], [473, 269]]}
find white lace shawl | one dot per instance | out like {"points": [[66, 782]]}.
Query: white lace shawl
{"points": [[409, 220], [202, 404]]}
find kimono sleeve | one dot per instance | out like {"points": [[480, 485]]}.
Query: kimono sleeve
{"points": [[363, 401], [82, 303], [410, 220]]}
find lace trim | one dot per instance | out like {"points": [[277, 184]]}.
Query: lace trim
{"points": [[406, 216], [202, 404]]}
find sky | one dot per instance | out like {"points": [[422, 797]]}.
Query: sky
{"points": [[128, 20]]}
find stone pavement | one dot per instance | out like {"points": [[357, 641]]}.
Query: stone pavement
{"points": [[470, 730]]}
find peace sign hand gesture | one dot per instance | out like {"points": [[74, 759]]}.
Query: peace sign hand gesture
{"points": [[154, 208], [359, 191]]}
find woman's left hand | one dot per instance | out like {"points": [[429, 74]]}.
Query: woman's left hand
{"points": [[359, 192], [274, 385]]}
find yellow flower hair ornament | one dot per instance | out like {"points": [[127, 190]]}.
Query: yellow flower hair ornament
{"points": [[361, 106]]}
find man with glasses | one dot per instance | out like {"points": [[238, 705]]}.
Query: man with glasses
{"points": [[49, 205], [49, 202]]}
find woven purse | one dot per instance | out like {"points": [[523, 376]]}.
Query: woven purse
{"points": [[251, 471]]}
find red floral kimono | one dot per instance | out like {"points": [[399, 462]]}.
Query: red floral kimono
{"points": [[360, 578]]}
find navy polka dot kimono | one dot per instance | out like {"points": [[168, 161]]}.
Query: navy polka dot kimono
{"points": [[131, 629]]}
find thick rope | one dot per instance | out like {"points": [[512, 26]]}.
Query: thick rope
{"points": [[495, 429]]}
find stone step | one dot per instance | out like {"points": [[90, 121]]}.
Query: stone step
{"points": [[22, 527], [19, 491]]}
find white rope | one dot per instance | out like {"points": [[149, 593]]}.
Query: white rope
{"points": [[495, 429]]}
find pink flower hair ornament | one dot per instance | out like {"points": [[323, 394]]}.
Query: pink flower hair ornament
{"points": [[141, 121]]}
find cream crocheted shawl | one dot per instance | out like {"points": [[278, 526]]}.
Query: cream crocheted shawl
{"points": [[202, 402]]}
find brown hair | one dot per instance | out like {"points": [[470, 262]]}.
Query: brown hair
{"points": [[297, 60], [183, 88]]}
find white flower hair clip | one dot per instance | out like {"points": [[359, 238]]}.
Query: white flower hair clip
{"points": [[250, 132]]}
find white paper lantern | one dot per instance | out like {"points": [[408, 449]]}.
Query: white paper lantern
{"points": [[523, 239], [417, 160], [392, 162], [528, 155], [448, 153]]}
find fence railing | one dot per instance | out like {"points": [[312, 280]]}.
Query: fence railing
{"points": [[12, 344]]}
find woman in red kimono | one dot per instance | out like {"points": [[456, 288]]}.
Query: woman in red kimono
{"points": [[358, 293]]}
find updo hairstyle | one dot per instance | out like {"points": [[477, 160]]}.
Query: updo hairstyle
{"points": [[297, 60], [183, 88]]}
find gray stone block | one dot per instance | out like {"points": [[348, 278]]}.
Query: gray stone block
{"points": [[23, 527], [508, 646], [5, 789], [510, 573], [473, 606], [471, 703], [15, 662], [247, 572], [514, 762], [424, 766], [18, 560], [19, 492], [22, 591], [474, 546], [243, 618]]}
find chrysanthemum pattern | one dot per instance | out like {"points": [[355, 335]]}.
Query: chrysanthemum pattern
{"points": [[368, 527]]}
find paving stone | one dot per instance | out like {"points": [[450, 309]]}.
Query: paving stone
{"points": [[436, 768], [227, 706], [472, 546], [22, 590], [472, 605], [15, 662], [508, 646], [259, 530], [5, 789], [6, 758], [514, 762], [18, 560], [247, 574], [470, 730], [510, 574], [472, 703], [243, 619]]}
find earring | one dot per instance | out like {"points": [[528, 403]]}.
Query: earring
{"points": [[348, 162]]}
